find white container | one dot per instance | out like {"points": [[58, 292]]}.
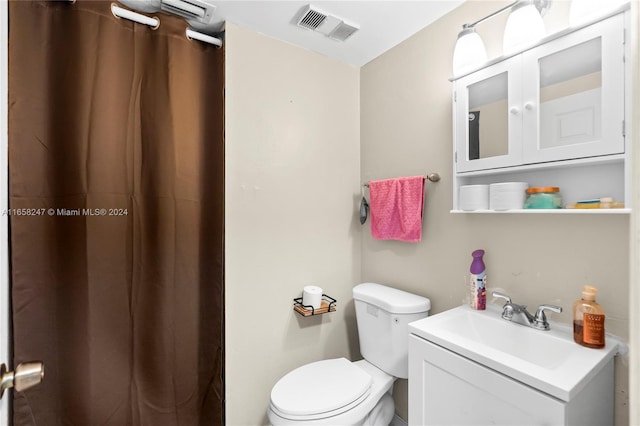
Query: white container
{"points": [[473, 197], [507, 195]]}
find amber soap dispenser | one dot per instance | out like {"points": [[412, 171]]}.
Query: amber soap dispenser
{"points": [[588, 320]]}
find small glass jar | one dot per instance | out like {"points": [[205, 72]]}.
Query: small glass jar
{"points": [[543, 197]]}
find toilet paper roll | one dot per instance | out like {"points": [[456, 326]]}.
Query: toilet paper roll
{"points": [[312, 295]]}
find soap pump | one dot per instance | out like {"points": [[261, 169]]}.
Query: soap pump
{"points": [[588, 320]]}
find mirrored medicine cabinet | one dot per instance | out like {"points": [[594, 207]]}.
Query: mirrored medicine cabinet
{"points": [[552, 115]]}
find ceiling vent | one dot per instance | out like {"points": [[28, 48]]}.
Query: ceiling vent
{"points": [[331, 26], [343, 31], [311, 19]]}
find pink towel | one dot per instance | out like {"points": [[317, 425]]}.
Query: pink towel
{"points": [[396, 208]]}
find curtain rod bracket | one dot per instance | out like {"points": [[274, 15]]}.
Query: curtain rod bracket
{"points": [[205, 38]]}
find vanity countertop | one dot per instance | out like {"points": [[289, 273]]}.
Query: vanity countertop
{"points": [[546, 360]]}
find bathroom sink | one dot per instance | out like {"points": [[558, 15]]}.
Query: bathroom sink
{"points": [[546, 360]]}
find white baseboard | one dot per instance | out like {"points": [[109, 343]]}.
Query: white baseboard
{"points": [[397, 421]]}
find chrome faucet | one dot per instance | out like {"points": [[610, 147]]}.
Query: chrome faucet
{"points": [[519, 314]]}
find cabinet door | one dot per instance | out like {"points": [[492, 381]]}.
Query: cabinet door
{"points": [[573, 95], [487, 117], [448, 389]]}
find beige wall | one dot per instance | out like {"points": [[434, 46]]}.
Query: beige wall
{"points": [[494, 129], [571, 87], [406, 130], [292, 181]]}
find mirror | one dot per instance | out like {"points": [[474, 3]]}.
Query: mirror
{"points": [[488, 118], [570, 95]]}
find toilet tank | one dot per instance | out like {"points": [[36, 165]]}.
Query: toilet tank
{"points": [[383, 314]]}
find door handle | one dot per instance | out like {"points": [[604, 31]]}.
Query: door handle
{"points": [[26, 375]]}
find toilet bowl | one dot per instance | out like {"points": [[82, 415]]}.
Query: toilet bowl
{"points": [[333, 392], [341, 392]]}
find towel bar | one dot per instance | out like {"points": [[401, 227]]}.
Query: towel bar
{"points": [[433, 177]]}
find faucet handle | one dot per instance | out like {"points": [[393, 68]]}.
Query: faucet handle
{"points": [[501, 296], [540, 320]]}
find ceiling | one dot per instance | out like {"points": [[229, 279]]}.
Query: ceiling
{"points": [[383, 24]]}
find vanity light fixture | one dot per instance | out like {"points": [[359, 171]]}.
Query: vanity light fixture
{"points": [[470, 53]]}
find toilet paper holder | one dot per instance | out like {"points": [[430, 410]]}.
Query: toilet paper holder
{"points": [[328, 304]]}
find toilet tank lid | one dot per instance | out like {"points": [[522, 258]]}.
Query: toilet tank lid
{"points": [[391, 299]]}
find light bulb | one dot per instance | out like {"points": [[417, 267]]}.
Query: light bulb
{"points": [[524, 28], [469, 52]]}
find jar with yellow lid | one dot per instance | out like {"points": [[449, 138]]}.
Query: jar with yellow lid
{"points": [[543, 197]]}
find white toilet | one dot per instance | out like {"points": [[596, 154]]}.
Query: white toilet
{"points": [[340, 392]]}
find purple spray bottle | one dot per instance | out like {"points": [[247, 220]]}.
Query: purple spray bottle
{"points": [[478, 282]]}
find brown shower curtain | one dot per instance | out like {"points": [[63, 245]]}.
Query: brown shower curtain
{"points": [[116, 189]]}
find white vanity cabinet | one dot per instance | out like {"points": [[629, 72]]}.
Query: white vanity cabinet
{"points": [[554, 109], [470, 367], [446, 388]]}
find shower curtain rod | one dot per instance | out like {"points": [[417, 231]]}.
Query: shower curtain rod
{"points": [[432, 177], [154, 23]]}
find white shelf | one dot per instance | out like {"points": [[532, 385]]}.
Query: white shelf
{"points": [[546, 211], [563, 164]]}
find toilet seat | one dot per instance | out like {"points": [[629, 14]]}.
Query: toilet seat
{"points": [[320, 389]]}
